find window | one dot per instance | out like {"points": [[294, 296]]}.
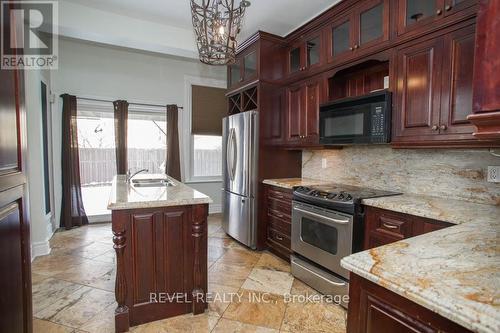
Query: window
{"points": [[201, 129], [96, 146], [207, 156], [147, 140]]}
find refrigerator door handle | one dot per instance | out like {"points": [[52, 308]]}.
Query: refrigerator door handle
{"points": [[229, 163], [234, 152]]}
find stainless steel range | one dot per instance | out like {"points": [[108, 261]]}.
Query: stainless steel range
{"points": [[327, 225]]}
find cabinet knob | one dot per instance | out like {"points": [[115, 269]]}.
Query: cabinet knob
{"points": [[439, 12], [278, 237], [443, 127], [356, 46], [448, 8], [351, 48], [434, 128]]}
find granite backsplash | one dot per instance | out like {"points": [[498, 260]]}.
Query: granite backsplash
{"points": [[456, 174]]}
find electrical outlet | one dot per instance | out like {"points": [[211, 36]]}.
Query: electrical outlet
{"points": [[324, 163], [494, 174]]}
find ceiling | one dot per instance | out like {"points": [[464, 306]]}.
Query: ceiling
{"points": [[275, 16]]}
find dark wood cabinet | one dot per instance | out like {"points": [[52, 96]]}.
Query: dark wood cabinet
{"points": [[302, 114], [384, 226], [305, 53], [418, 84], [159, 250], [486, 83], [413, 14], [373, 308], [456, 90], [278, 217], [434, 90], [364, 26], [15, 254], [244, 70]]}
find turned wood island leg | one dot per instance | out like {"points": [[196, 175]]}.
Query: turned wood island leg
{"points": [[199, 234], [121, 312]]}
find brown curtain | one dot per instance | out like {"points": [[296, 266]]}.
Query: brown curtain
{"points": [[121, 116], [173, 168], [72, 211]]}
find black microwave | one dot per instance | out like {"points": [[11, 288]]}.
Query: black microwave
{"points": [[356, 120]]}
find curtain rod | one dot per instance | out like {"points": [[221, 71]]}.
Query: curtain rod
{"points": [[107, 100]]}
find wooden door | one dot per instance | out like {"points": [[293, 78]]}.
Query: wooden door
{"points": [[15, 261], [418, 89], [372, 23], [294, 112], [296, 58], [341, 39], [310, 114], [313, 50], [456, 93], [414, 14], [453, 6]]}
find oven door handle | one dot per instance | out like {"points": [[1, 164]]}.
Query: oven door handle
{"points": [[337, 221]]}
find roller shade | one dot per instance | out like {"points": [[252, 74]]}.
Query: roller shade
{"points": [[209, 106]]}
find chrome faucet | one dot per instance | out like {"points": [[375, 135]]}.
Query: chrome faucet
{"points": [[130, 176]]}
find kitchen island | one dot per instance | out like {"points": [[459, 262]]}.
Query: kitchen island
{"points": [[160, 238]]}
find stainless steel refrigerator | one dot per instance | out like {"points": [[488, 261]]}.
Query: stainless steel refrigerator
{"points": [[240, 146]]}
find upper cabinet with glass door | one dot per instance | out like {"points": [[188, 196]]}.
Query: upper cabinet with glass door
{"points": [[366, 25], [305, 53], [413, 14], [244, 69]]}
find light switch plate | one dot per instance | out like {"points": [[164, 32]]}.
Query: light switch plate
{"points": [[324, 163], [494, 174]]}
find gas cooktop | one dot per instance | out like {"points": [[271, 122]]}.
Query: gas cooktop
{"points": [[337, 195]]}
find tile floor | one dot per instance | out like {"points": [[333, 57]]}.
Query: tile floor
{"points": [[73, 289]]}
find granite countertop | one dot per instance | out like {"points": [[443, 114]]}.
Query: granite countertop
{"points": [[441, 209], [126, 196], [454, 272], [289, 183]]}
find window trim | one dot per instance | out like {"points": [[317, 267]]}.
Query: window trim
{"points": [[186, 138]]}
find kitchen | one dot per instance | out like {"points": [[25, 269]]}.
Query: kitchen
{"points": [[358, 188]]}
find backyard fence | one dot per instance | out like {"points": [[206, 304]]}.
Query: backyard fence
{"points": [[98, 165]]}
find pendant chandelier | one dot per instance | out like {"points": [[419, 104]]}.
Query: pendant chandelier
{"points": [[216, 24]]}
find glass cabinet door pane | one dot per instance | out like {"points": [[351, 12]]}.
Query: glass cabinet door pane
{"points": [[250, 65], [295, 59], [312, 51], [417, 10], [372, 24], [340, 36], [235, 72]]}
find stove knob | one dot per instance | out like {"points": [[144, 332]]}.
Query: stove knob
{"points": [[299, 189], [348, 198], [340, 196]]}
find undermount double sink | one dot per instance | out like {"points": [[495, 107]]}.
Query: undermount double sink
{"points": [[152, 182]]}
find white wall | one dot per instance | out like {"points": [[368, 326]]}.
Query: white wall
{"points": [[91, 24], [41, 228], [111, 73]]}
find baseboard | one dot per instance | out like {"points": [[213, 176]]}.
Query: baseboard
{"points": [[39, 249], [214, 208]]}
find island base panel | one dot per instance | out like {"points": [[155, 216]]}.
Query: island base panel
{"points": [[161, 258]]}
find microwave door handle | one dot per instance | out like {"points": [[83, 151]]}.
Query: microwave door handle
{"points": [[337, 221]]}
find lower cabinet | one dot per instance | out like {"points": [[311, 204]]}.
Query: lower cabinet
{"points": [[374, 309], [384, 226], [278, 217]]}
